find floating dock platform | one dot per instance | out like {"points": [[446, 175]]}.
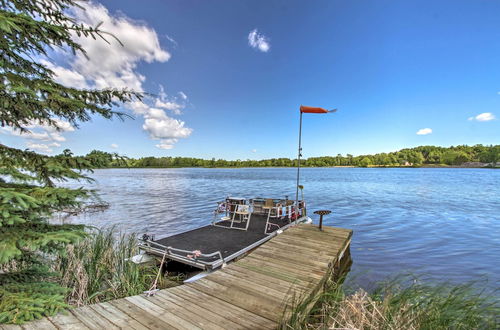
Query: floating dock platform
{"points": [[256, 292], [218, 244]]}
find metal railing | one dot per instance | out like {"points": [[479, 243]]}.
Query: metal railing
{"points": [[283, 211], [180, 255], [156, 248], [232, 208], [279, 210]]}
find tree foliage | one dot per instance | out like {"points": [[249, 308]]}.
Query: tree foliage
{"points": [[29, 196], [423, 155]]}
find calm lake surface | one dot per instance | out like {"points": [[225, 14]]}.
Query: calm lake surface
{"points": [[441, 223]]}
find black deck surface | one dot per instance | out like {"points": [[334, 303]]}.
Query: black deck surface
{"points": [[211, 238]]}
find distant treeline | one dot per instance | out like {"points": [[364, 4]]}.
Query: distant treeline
{"points": [[419, 156]]}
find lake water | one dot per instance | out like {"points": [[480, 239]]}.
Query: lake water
{"points": [[442, 223]]}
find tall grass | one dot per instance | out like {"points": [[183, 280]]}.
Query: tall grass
{"points": [[398, 305], [96, 269]]}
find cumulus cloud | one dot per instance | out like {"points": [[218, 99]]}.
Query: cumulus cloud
{"points": [[30, 135], [66, 76], [166, 143], [424, 131], [258, 41], [114, 145], [49, 133], [166, 128], [485, 116], [45, 135], [113, 64], [172, 106], [41, 147], [169, 103], [254, 150]]}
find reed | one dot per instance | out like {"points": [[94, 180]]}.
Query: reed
{"points": [[96, 269], [398, 305]]}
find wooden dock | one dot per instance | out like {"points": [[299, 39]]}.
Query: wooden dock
{"points": [[254, 292]]}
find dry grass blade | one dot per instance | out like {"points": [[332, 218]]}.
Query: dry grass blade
{"points": [[394, 306]]}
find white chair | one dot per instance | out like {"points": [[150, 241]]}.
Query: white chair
{"points": [[244, 214]]}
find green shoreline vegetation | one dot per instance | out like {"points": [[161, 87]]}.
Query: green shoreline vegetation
{"points": [[426, 156]]}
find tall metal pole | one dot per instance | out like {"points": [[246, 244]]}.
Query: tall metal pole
{"points": [[298, 166]]}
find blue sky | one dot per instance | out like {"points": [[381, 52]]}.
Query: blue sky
{"points": [[392, 68]]}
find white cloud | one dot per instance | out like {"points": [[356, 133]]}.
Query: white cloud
{"points": [[60, 125], [485, 116], [39, 147], [172, 106], [254, 150], [169, 38], [155, 113], [166, 128], [258, 41], [42, 132], [166, 143], [114, 145], [50, 133], [170, 103], [138, 107], [57, 137], [65, 76], [113, 64], [424, 131], [28, 135]]}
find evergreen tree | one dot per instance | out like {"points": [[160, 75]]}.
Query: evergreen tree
{"points": [[29, 196]]}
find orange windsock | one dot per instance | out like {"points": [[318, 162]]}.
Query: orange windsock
{"points": [[305, 109]]}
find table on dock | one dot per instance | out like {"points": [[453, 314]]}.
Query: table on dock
{"points": [[255, 292]]}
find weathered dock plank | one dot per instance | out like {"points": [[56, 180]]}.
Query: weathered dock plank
{"points": [[44, 324], [145, 318], [117, 317], [230, 312], [203, 317], [253, 293], [10, 327], [67, 320], [92, 319]]}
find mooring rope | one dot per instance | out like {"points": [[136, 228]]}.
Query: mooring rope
{"points": [[154, 287]]}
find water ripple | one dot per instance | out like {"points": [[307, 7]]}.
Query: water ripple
{"points": [[440, 222]]}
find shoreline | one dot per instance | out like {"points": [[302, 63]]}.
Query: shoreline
{"points": [[347, 166]]}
